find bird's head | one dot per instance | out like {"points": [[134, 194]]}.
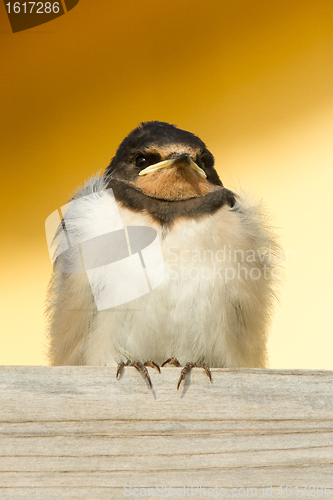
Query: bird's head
{"points": [[164, 162]]}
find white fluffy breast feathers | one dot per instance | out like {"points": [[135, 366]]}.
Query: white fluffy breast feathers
{"points": [[213, 304]]}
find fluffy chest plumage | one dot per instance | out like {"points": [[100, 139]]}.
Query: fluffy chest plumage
{"points": [[213, 305], [186, 315]]}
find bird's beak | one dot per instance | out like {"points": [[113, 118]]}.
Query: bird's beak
{"points": [[183, 159]]}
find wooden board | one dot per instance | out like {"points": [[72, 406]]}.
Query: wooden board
{"points": [[78, 433]]}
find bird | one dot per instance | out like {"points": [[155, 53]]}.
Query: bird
{"points": [[213, 306]]}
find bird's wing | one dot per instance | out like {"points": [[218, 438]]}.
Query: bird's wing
{"points": [[70, 304]]}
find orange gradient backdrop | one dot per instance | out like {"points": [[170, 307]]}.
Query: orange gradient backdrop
{"points": [[252, 78]]}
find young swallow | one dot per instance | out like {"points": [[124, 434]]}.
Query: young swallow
{"points": [[214, 305]]}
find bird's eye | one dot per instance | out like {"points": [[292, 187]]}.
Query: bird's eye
{"points": [[141, 161]]}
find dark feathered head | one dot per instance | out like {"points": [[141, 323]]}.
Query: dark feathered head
{"points": [[166, 172], [165, 162]]}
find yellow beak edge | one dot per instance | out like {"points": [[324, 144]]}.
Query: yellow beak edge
{"points": [[170, 163]]}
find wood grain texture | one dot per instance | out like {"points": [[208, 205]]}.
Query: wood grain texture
{"points": [[78, 433]]}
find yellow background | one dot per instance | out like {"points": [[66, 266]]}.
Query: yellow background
{"points": [[252, 78]]}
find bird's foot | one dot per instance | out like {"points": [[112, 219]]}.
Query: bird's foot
{"points": [[141, 367], [187, 368]]}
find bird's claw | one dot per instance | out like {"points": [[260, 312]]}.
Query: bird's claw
{"points": [[171, 361], [188, 367], [152, 364], [141, 367]]}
